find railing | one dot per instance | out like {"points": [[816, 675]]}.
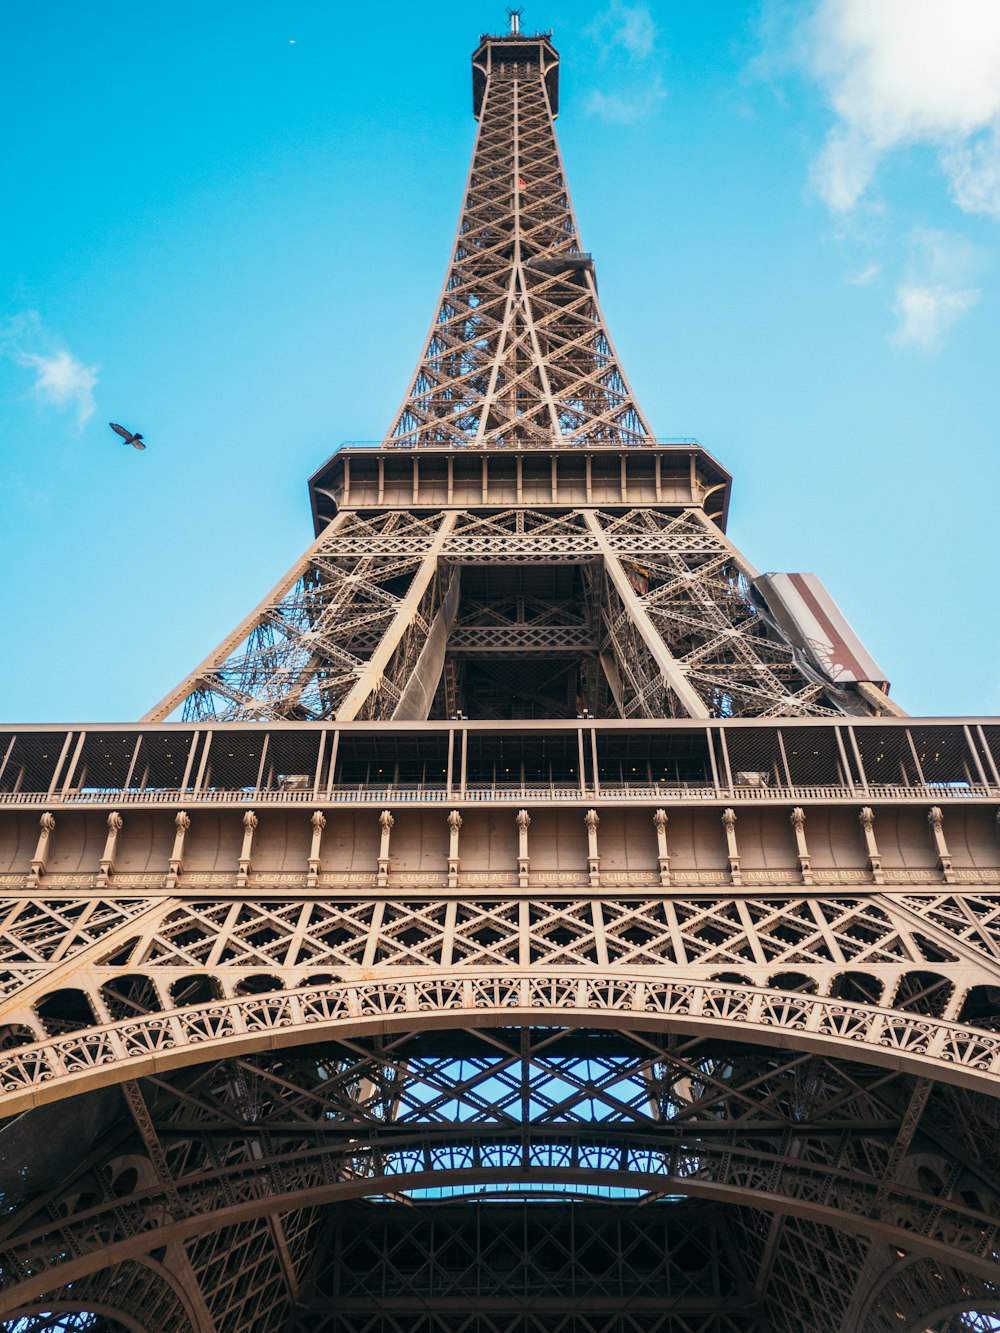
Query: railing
{"points": [[498, 793], [554, 442]]}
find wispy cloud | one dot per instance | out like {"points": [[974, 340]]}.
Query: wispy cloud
{"points": [[925, 314], [630, 27], [624, 108], [904, 72], [865, 276], [61, 379], [626, 36], [936, 290]]}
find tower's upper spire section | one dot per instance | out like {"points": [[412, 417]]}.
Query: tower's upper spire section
{"points": [[518, 354]]}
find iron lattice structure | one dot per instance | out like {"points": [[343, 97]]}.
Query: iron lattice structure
{"points": [[535, 921]]}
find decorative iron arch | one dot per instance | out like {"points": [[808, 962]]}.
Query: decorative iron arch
{"points": [[329, 1122], [106, 1053]]}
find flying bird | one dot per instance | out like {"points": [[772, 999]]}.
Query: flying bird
{"points": [[135, 440]]}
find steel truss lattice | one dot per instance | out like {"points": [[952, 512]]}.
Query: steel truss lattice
{"points": [[806, 1144], [508, 1055]]}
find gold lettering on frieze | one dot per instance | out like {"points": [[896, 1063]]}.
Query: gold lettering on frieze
{"points": [[16, 881], [140, 878], [627, 877], [346, 877], [770, 876], [209, 877], [557, 877], [70, 880], [490, 877], [901, 875], [278, 877], [415, 879], [700, 877], [974, 876]]}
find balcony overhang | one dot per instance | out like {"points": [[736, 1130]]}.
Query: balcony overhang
{"points": [[661, 474]]}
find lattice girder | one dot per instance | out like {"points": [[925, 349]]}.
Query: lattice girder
{"points": [[518, 351], [679, 629]]}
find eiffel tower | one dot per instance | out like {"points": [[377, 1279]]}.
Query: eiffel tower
{"points": [[529, 918]]}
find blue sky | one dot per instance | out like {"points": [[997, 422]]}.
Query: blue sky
{"points": [[226, 226]]}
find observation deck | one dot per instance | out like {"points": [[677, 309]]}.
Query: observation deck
{"points": [[515, 48], [675, 473]]}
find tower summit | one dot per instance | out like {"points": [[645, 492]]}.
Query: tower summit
{"points": [[540, 554], [529, 919], [518, 354]]}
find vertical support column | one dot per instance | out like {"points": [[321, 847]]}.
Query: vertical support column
{"points": [[855, 751], [318, 822], [662, 851], [320, 755], [936, 821], [786, 772], [454, 827], [524, 933], [262, 766], [917, 766], [331, 772], [523, 862], [75, 760], [246, 851], [710, 742], [59, 763], [845, 763], [592, 819], [974, 756], [727, 767], [866, 819], [987, 754], [46, 825], [386, 822], [798, 818], [203, 762], [729, 824], [107, 863], [189, 765], [182, 822]]}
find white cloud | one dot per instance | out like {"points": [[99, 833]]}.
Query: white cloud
{"points": [[626, 35], [974, 171], [865, 276], [626, 108], [925, 314], [936, 291], [63, 380], [901, 72], [60, 378], [629, 26]]}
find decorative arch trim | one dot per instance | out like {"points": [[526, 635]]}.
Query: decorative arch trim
{"points": [[105, 1054]]}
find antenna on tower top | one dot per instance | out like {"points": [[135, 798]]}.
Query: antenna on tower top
{"points": [[515, 20]]}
